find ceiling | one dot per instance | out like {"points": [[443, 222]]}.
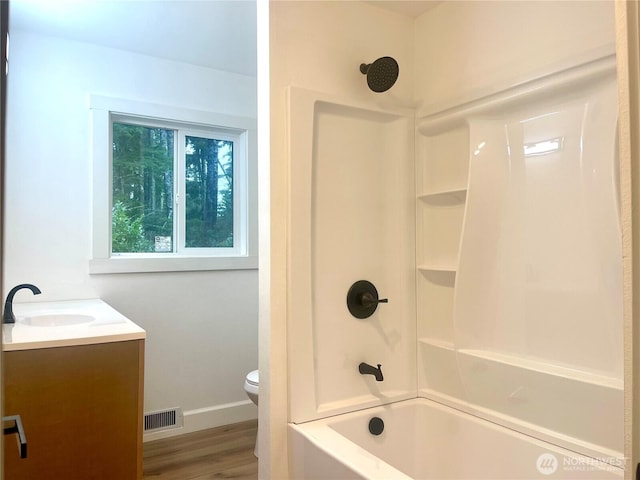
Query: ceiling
{"points": [[218, 34]]}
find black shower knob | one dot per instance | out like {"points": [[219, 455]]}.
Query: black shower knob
{"points": [[363, 300]]}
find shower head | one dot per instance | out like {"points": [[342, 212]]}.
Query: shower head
{"points": [[381, 74]]}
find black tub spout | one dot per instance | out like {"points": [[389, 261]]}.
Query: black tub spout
{"points": [[366, 369]]}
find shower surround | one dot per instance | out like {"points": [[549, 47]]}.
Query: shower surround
{"points": [[517, 270], [338, 232], [352, 217]]}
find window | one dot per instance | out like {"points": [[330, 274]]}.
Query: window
{"points": [[179, 191], [173, 188]]}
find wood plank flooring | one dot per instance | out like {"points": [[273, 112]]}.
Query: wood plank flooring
{"points": [[223, 452]]}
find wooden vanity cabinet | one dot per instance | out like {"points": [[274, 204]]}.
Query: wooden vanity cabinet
{"points": [[81, 408]]}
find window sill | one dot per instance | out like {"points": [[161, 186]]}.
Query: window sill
{"points": [[170, 264]]}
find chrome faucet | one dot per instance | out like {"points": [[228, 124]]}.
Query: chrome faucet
{"points": [[8, 316], [366, 369]]}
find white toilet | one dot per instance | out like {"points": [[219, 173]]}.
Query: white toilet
{"points": [[252, 386]]}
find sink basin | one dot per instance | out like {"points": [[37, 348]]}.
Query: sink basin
{"points": [[66, 323], [57, 320]]}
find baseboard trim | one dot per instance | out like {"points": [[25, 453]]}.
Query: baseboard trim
{"points": [[209, 417]]}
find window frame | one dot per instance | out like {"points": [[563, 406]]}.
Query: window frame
{"points": [[104, 111]]}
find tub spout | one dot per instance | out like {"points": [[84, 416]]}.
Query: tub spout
{"points": [[366, 369]]}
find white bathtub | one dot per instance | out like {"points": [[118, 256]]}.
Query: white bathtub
{"points": [[423, 439]]}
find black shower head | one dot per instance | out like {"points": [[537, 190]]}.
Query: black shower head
{"points": [[381, 74]]}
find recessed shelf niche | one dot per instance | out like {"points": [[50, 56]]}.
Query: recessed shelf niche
{"points": [[442, 167]]}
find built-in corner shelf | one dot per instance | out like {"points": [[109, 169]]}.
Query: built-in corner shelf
{"points": [[439, 229], [437, 268], [442, 163], [453, 196], [436, 342]]}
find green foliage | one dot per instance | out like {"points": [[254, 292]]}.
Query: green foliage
{"points": [[127, 232], [143, 182]]}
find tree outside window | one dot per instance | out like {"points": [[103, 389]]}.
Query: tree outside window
{"points": [[152, 168]]}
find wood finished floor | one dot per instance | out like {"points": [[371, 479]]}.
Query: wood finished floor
{"points": [[222, 452]]}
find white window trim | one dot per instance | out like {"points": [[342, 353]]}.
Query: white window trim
{"points": [[102, 261]]}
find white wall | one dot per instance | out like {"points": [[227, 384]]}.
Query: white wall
{"points": [[319, 46], [466, 49], [201, 326]]}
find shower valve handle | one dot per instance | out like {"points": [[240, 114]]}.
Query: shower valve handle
{"points": [[362, 299], [367, 299]]}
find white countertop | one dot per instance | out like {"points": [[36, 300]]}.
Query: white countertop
{"points": [[108, 325]]}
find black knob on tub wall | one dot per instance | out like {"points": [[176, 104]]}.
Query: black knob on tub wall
{"points": [[376, 426], [362, 299]]}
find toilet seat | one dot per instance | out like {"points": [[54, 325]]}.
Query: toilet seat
{"points": [[252, 387], [253, 378]]}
